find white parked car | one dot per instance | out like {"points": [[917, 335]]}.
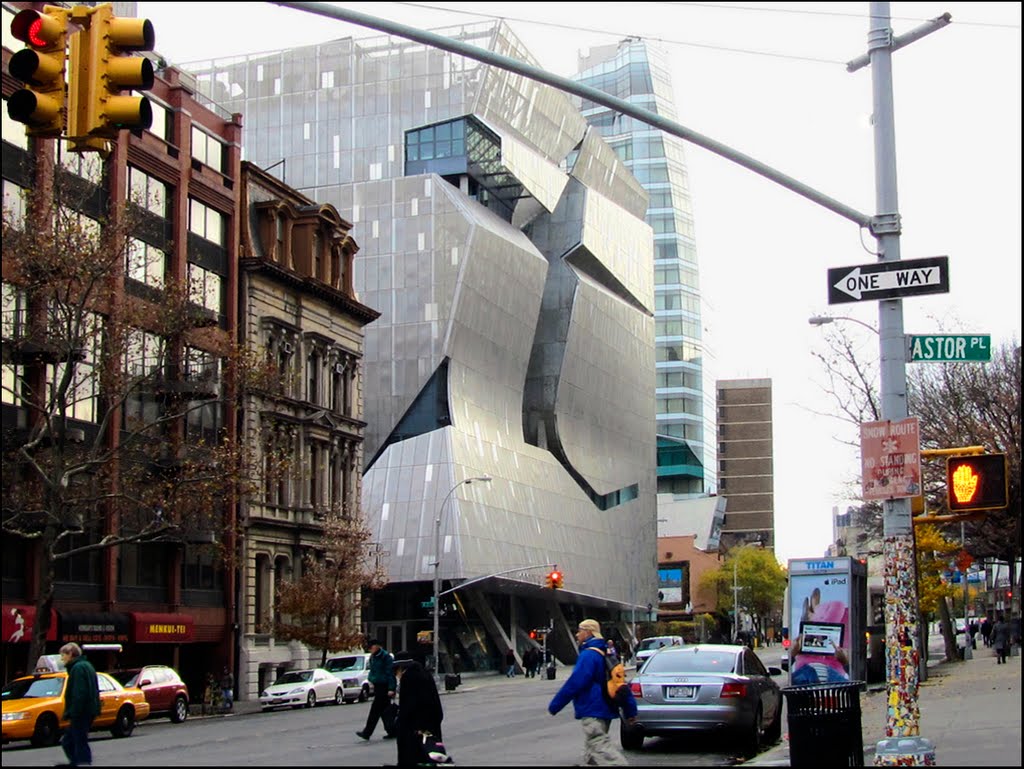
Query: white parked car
{"points": [[649, 646], [302, 689], [353, 670]]}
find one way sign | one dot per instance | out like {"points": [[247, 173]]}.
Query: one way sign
{"points": [[889, 280]]}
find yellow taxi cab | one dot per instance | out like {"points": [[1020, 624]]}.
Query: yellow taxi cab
{"points": [[33, 708]]}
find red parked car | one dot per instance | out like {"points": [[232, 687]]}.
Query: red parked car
{"points": [[165, 692]]}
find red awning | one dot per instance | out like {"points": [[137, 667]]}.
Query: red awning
{"points": [[158, 628], [19, 622]]}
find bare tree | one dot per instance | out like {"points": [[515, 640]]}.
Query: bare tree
{"points": [[322, 607]]}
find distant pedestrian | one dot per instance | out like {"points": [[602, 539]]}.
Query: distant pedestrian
{"points": [[973, 627], [530, 662], [382, 676], [510, 664], [986, 631], [81, 704], [592, 711], [1001, 639], [227, 689], [611, 651]]}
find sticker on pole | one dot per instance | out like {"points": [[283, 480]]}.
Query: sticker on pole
{"points": [[890, 459]]}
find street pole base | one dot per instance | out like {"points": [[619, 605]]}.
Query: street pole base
{"points": [[905, 751]]}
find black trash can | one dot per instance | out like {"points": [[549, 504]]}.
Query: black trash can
{"points": [[551, 672], [824, 724], [452, 681]]}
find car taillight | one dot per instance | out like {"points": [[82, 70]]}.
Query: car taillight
{"points": [[636, 690], [734, 690]]}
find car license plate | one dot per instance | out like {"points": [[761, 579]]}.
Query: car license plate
{"points": [[678, 692]]}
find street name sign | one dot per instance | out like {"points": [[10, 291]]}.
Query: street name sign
{"points": [[890, 457], [947, 348], [889, 280]]}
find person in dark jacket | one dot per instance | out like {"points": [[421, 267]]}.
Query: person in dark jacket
{"points": [[1001, 639], [81, 704], [593, 712], [419, 709], [382, 676]]}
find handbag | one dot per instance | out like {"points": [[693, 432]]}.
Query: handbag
{"points": [[434, 751]]}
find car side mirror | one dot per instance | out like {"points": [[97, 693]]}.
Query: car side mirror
{"points": [[145, 682], [774, 671]]}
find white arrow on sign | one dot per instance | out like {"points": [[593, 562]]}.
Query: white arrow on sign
{"points": [[855, 284]]}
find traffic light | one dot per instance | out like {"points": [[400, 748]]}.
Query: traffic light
{"points": [[554, 580], [101, 74], [977, 482], [41, 66], [533, 635]]}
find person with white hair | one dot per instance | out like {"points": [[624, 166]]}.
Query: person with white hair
{"points": [[584, 688]]}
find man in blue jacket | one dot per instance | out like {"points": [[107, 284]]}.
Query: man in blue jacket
{"points": [[592, 710]]}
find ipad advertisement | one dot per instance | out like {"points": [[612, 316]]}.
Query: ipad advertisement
{"points": [[820, 621]]}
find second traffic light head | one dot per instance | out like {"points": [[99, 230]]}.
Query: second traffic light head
{"points": [[976, 482]]}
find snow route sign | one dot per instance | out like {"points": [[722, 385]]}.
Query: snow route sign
{"points": [[890, 459]]}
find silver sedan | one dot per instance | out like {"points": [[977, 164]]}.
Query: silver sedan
{"points": [[711, 688]]}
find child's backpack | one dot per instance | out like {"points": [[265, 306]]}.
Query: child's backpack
{"points": [[615, 689]]}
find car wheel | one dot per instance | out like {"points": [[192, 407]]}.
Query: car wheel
{"points": [[774, 732], [364, 693], [124, 724], [631, 737], [46, 731], [180, 710], [339, 697], [311, 699], [750, 741]]}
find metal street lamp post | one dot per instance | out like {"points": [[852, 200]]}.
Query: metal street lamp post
{"points": [[824, 320], [437, 562]]}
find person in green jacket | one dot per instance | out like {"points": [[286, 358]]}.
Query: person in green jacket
{"points": [[382, 676], [81, 704]]}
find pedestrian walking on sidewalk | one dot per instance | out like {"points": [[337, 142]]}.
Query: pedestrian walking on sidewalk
{"points": [[986, 631], [1001, 639], [81, 704], [510, 664]]}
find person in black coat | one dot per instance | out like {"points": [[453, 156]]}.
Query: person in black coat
{"points": [[419, 709]]}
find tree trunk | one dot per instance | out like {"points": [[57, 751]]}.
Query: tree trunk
{"points": [[948, 636], [44, 601]]}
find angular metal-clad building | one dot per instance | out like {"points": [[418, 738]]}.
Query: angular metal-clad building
{"points": [[505, 245]]}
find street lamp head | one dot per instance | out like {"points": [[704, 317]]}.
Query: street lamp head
{"points": [[820, 320], [482, 478]]}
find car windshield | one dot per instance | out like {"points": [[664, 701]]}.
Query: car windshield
{"points": [[343, 663], [33, 687], [298, 677], [127, 677], [692, 661]]}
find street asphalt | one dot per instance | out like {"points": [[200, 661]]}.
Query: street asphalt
{"points": [[971, 712]]}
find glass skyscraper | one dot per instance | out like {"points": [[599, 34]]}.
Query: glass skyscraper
{"points": [[636, 71]]}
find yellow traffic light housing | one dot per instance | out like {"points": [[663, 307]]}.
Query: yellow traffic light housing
{"points": [[102, 73], [977, 482], [555, 579], [41, 66]]}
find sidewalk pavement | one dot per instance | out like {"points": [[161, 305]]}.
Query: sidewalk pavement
{"points": [[969, 710]]}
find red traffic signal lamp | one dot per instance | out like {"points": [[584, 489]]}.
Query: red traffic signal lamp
{"points": [[533, 635], [554, 580], [41, 66], [977, 482], [102, 75]]}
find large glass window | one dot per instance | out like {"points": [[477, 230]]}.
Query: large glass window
{"points": [[81, 399], [147, 192], [15, 305], [145, 263], [14, 203], [205, 288], [207, 150], [206, 222], [142, 565]]}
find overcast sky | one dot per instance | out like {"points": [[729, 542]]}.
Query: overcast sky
{"points": [[769, 79]]}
